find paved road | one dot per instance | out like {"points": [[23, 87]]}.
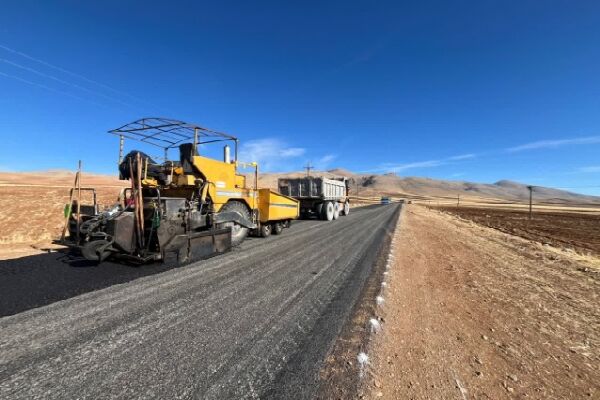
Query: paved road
{"points": [[253, 323]]}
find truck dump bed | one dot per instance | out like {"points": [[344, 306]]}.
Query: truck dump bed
{"points": [[313, 188], [274, 206]]}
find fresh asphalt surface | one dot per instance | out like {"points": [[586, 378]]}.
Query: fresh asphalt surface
{"points": [[253, 323]]}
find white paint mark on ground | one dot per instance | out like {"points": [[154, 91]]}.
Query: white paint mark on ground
{"points": [[363, 361], [375, 325]]}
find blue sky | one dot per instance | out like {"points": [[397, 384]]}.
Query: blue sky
{"points": [[466, 90]]}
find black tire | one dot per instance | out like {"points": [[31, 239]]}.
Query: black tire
{"points": [[238, 232], [319, 210], [265, 230], [327, 211], [287, 223], [277, 228], [346, 209], [336, 210]]}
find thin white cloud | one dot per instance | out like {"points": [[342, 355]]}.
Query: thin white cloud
{"points": [[552, 144], [462, 157], [324, 162], [292, 152], [396, 168], [270, 153], [590, 169]]}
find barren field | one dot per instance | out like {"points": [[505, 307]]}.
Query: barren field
{"points": [[31, 208], [575, 231], [473, 312]]}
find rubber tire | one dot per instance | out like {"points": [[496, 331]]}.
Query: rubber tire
{"points": [[327, 211], [287, 223], [265, 230], [336, 210], [238, 232], [277, 228], [346, 209], [318, 209]]}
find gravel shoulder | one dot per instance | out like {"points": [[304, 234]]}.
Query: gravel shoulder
{"points": [[472, 312]]}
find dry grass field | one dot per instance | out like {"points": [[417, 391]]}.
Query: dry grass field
{"points": [[31, 207]]}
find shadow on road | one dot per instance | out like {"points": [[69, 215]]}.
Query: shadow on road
{"points": [[35, 281]]}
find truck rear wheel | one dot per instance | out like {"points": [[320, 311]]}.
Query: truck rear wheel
{"points": [[277, 228], [327, 211], [346, 209], [336, 210], [238, 232]]}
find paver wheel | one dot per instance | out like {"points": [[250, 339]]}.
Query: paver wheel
{"points": [[327, 211], [238, 232], [277, 228]]}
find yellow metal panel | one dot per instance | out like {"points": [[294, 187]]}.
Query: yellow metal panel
{"points": [[240, 181], [274, 206], [186, 180]]}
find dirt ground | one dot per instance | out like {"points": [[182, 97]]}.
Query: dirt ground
{"points": [[31, 208], [576, 231], [472, 312]]}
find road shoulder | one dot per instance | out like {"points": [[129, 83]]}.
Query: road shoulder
{"points": [[473, 312]]}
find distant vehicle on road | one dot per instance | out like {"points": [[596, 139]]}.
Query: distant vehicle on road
{"points": [[322, 197], [385, 200]]}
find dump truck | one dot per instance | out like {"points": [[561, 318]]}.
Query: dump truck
{"points": [[182, 210], [319, 197]]}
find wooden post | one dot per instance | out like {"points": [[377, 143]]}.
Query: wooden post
{"points": [[134, 201], [140, 200], [308, 167], [78, 199], [530, 201], [457, 201]]}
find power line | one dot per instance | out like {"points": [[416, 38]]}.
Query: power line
{"points": [[74, 74], [34, 71], [49, 88]]}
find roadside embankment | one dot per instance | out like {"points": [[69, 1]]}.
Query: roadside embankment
{"points": [[472, 312]]}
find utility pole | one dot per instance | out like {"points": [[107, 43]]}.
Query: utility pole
{"points": [[458, 200], [530, 200], [308, 167]]}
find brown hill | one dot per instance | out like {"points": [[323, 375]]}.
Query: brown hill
{"points": [[393, 185]]}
